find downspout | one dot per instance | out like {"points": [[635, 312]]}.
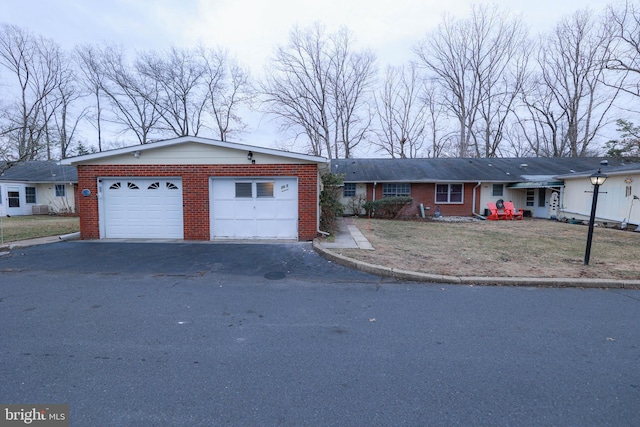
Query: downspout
{"points": [[319, 189], [473, 204]]}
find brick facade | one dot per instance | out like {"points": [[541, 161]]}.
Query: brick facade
{"points": [[195, 192], [425, 193]]}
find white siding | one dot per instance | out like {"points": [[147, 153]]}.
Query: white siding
{"points": [[613, 204], [196, 154]]}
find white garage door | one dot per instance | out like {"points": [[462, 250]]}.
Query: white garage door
{"points": [[260, 208], [141, 208]]}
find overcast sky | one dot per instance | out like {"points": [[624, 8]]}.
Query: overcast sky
{"points": [[250, 29]]}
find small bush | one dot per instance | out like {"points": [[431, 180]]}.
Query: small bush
{"points": [[387, 207], [356, 204], [330, 206]]}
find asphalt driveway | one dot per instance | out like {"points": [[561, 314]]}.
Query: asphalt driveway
{"points": [[251, 334]]}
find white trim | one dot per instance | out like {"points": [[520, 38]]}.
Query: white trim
{"points": [[87, 158]]}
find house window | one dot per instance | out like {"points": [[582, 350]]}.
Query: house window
{"points": [[264, 189], [396, 190], [14, 199], [531, 195], [243, 190], [349, 189], [449, 193], [30, 194], [498, 190], [542, 195], [61, 190]]}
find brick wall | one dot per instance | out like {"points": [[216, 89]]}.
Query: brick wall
{"points": [[425, 193], [195, 192]]}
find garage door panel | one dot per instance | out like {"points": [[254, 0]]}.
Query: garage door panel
{"points": [[258, 208], [142, 208]]}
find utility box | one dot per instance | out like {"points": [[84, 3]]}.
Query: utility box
{"points": [[40, 210]]}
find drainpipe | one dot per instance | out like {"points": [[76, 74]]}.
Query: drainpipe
{"points": [[374, 191], [473, 204]]}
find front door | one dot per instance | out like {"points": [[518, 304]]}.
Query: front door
{"points": [[13, 201], [542, 203]]}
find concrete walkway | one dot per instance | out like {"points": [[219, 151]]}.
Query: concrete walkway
{"points": [[348, 237]]}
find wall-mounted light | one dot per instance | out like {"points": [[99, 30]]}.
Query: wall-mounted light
{"points": [[136, 154], [250, 155]]}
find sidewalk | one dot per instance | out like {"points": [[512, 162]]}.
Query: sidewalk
{"points": [[350, 237]]}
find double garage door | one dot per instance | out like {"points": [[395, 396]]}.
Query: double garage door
{"points": [[240, 208]]}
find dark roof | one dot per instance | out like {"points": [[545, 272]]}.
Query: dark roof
{"points": [[465, 170], [36, 171], [610, 169]]}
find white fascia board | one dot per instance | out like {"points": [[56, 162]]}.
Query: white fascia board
{"points": [[186, 139]]}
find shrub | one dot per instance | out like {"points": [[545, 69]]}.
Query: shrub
{"points": [[330, 206], [387, 207], [356, 204]]}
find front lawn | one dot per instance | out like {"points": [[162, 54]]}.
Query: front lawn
{"points": [[29, 227], [527, 248]]}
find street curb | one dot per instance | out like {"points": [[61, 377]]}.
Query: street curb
{"points": [[9, 246], [467, 280]]}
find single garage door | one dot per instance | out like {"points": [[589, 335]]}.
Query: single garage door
{"points": [[141, 208], [260, 208]]}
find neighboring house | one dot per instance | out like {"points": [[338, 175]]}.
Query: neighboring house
{"points": [[462, 187], [618, 197], [194, 188], [37, 187]]}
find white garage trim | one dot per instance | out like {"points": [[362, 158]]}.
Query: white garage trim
{"points": [[254, 208], [132, 207]]}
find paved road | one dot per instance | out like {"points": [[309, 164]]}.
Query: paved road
{"points": [[211, 334]]}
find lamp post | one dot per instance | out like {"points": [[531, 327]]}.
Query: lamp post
{"points": [[597, 179]]}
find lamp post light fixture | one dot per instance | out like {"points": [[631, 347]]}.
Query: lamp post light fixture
{"points": [[597, 179]]}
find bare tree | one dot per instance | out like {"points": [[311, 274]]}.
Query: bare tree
{"points": [[625, 49], [318, 87], [89, 63], [435, 121], [475, 62], [35, 63], [132, 94], [66, 119], [505, 72], [179, 77], [571, 60], [541, 121], [402, 113], [228, 88], [351, 85]]}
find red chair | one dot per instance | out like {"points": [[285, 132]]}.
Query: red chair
{"points": [[495, 214], [510, 209]]}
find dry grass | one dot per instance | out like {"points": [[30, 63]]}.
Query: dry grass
{"points": [[528, 248], [30, 227]]}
